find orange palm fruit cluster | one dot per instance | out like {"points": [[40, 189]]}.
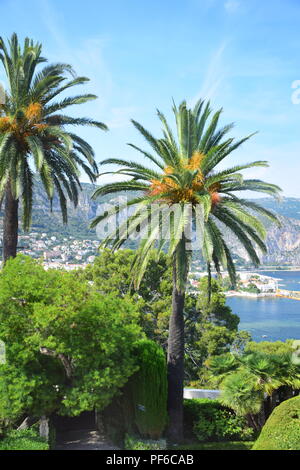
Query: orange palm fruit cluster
{"points": [[33, 112]]}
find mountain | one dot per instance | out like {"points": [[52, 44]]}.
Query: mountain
{"points": [[50, 222], [283, 243]]}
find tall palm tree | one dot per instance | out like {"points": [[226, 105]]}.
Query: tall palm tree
{"points": [[32, 129], [183, 173]]}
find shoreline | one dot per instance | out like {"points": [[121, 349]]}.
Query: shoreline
{"points": [[296, 268], [280, 295], [249, 294], [274, 292]]}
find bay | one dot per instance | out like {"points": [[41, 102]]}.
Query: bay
{"points": [[270, 319]]}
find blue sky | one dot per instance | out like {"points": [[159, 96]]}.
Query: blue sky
{"points": [[242, 54]]}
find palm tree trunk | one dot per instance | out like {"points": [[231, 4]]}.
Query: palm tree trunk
{"points": [[10, 225], [176, 364], [254, 422]]}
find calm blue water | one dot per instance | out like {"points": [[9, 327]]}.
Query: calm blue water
{"points": [[278, 319]]}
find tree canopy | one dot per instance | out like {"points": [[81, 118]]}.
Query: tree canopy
{"points": [[68, 348]]}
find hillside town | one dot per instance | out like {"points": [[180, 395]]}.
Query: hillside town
{"points": [[57, 252]]}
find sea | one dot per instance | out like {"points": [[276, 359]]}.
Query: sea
{"points": [[270, 319]]}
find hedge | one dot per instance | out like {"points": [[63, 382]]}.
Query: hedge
{"points": [[141, 409], [209, 420], [282, 429], [149, 390]]}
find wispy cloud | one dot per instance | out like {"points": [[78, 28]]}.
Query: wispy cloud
{"points": [[84, 55], [120, 117], [214, 75], [51, 22], [231, 6], [89, 54]]}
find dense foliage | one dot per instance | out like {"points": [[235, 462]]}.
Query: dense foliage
{"points": [[282, 430], [209, 420], [69, 349], [149, 390], [254, 382], [141, 407], [110, 274]]}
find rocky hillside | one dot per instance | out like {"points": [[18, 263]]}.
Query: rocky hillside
{"points": [[283, 243]]}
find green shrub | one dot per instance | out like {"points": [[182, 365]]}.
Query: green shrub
{"points": [[89, 335], [118, 418], [26, 439], [142, 407], [134, 443], [149, 390], [208, 420], [282, 429]]}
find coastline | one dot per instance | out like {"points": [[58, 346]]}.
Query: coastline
{"points": [[275, 291], [250, 294], [269, 318], [277, 269], [273, 295]]}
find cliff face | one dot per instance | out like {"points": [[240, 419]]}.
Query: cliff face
{"points": [[283, 243]]}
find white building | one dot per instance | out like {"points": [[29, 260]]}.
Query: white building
{"points": [[201, 393]]}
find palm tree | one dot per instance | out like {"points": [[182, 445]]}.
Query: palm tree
{"points": [[183, 174], [33, 133], [251, 382], [240, 393]]}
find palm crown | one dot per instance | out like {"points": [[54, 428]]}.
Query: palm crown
{"points": [[186, 173], [32, 127]]}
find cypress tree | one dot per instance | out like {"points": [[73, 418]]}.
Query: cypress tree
{"points": [[149, 390]]}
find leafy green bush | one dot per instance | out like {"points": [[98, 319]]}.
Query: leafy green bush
{"points": [[208, 420], [134, 443], [282, 429], [26, 439], [59, 330], [142, 407]]}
